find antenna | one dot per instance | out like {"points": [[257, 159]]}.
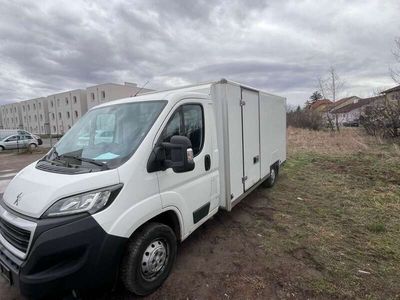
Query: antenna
{"points": [[141, 88]]}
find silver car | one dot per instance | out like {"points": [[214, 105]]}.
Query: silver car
{"points": [[18, 141]]}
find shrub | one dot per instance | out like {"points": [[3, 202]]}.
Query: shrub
{"points": [[306, 119], [382, 119]]}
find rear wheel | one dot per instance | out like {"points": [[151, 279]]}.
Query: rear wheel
{"points": [[32, 147], [149, 259], [1, 148], [273, 174]]}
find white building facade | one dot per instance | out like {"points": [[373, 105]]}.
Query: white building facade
{"points": [[35, 115], [106, 92], [11, 116], [65, 109]]}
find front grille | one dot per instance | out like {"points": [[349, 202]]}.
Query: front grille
{"points": [[17, 237]]}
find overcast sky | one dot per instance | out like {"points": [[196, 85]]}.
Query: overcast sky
{"points": [[278, 46]]}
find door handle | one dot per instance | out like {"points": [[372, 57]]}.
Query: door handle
{"points": [[207, 162], [256, 159]]}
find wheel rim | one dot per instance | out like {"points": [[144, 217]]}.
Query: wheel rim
{"points": [[154, 259], [272, 175]]}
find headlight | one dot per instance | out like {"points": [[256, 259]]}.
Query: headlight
{"points": [[90, 202]]}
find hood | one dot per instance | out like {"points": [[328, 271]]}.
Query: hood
{"points": [[37, 190]]}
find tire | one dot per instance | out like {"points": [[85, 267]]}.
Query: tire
{"points": [[273, 175], [32, 147], [1, 148], [140, 272]]}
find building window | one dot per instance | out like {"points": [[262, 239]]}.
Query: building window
{"points": [[59, 115], [41, 118], [68, 115], [92, 96], [35, 118], [23, 108], [76, 114], [34, 106], [58, 102], [40, 105], [54, 128], [66, 101], [75, 99], [103, 95], [52, 116], [52, 103], [69, 127], [29, 107]]}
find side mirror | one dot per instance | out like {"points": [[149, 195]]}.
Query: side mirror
{"points": [[181, 154]]}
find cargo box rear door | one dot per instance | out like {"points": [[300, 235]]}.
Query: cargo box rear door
{"points": [[251, 137]]}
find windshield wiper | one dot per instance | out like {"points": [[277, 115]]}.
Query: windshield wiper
{"points": [[84, 159]]}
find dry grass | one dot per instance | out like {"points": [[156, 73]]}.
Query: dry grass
{"points": [[337, 206], [348, 140]]}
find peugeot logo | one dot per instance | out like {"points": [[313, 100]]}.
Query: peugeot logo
{"points": [[16, 202]]}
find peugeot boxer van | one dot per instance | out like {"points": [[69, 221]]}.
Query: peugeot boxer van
{"points": [[96, 210]]}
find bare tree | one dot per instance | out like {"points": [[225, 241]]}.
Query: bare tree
{"points": [[331, 86], [395, 71]]}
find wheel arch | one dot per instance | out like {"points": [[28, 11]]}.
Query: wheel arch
{"points": [[276, 166], [169, 216]]}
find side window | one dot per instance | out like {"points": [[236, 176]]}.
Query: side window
{"points": [[193, 120], [12, 138], [187, 121], [174, 127]]}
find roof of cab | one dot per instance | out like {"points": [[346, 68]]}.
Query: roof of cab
{"points": [[163, 95]]}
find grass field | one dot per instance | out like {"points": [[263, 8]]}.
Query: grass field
{"points": [[337, 217]]}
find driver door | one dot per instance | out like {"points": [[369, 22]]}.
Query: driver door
{"points": [[189, 191]]}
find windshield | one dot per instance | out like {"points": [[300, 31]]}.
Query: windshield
{"points": [[106, 136]]}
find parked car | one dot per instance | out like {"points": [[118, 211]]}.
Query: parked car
{"points": [[84, 216], [18, 142], [7, 132]]}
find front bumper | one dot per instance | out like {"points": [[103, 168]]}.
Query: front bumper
{"points": [[65, 254]]}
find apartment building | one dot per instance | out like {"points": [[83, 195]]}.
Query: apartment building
{"points": [[105, 92], [65, 109], [57, 113], [35, 115], [11, 116]]}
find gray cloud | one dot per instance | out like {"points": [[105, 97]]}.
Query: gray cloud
{"points": [[280, 46]]}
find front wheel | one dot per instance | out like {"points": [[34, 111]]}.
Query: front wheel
{"points": [[149, 258]]}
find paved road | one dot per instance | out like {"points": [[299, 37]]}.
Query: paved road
{"points": [[5, 177]]}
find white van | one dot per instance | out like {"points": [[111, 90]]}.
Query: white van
{"points": [[96, 210]]}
